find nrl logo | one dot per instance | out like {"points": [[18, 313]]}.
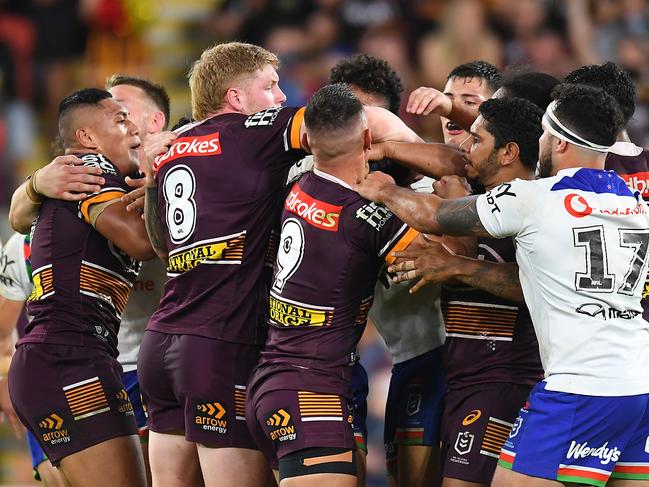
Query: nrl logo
{"points": [[464, 442]]}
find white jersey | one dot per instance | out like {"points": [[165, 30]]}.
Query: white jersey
{"points": [[581, 244], [410, 324], [15, 279], [300, 167], [142, 303]]}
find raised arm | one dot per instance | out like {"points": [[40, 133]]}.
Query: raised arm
{"points": [[385, 125], [425, 100], [434, 160], [425, 213], [64, 178]]}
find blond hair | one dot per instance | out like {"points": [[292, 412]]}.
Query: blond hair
{"points": [[218, 68]]}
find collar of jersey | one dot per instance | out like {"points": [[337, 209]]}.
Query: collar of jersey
{"points": [[331, 178]]}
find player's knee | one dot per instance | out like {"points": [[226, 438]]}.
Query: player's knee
{"points": [[318, 461]]}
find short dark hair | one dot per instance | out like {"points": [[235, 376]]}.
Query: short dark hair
{"points": [[86, 97], [533, 86], [590, 112], [479, 69], [154, 91], [371, 75], [332, 108], [613, 80], [514, 120]]}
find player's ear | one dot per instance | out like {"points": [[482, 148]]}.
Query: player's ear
{"points": [[233, 98], [85, 137], [561, 145], [367, 139], [305, 142], [509, 154], [156, 123]]}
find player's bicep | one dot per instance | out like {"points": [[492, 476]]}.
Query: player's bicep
{"points": [[459, 216], [126, 230]]}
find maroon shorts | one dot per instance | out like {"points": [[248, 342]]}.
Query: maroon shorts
{"points": [[475, 424], [69, 397], [284, 421], [197, 386]]}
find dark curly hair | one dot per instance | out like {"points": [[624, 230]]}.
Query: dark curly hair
{"points": [[371, 75], [532, 86], [514, 120], [479, 69], [613, 80], [589, 112]]}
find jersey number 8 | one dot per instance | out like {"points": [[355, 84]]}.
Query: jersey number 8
{"points": [[179, 186]]}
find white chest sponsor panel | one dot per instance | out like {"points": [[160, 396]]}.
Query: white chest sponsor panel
{"points": [[582, 239]]}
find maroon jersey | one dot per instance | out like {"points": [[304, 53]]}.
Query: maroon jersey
{"points": [[81, 280], [332, 246], [488, 339], [220, 189], [632, 164]]}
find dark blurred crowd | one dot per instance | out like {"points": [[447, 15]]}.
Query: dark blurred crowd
{"points": [[50, 47], [424, 39]]}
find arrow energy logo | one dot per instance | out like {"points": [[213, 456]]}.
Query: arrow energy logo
{"points": [[280, 426], [210, 417]]}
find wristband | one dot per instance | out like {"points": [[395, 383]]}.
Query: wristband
{"points": [[34, 196]]}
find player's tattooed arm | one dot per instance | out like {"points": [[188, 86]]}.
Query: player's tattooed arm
{"points": [[437, 263], [425, 213], [153, 223], [459, 217]]}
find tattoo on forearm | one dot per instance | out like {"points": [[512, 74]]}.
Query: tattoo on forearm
{"points": [[499, 279], [153, 221], [460, 217]]}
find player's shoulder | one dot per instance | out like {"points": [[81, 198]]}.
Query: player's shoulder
{"points": [[269, 117], [370, 215]]}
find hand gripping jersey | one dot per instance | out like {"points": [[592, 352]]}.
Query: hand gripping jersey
{"points": [[488, 339], [332, 245], [219, 190], [581, 244], [81, 280]]}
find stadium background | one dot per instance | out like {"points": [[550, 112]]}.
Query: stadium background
{"points": [[50, 47]]}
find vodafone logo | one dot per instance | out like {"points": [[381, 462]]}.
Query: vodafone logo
{"points": [[577, 205], [207, 145], [318, 213]]}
